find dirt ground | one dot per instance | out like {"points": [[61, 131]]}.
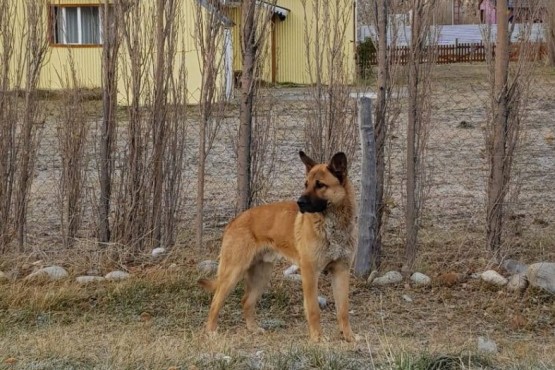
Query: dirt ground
{"points": [[154, 320]]}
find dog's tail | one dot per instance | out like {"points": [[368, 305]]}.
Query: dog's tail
{"points": [[209, 285]]}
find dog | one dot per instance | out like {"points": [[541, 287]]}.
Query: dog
{"points": [[317, 233]]}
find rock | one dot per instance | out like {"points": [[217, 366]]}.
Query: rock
{"points": [[322, 302], [50, 272], [542, 275], [293, 269], [407, 298], [271, 324], [514, 267], [117, 275], [208, 267], [486, 345], [293, 277], [173, 266], [89, 279], [3, 277], [493, 278], [158, 252], [93, 272], [372, 277], [390, 277], [420, 279], [517, 283], [257, 360]]}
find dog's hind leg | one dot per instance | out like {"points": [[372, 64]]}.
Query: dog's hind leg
{"points": [[257, 278], [226, 282], [233, 265]]}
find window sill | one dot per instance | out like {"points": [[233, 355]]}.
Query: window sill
{"points": [[77, 46]]}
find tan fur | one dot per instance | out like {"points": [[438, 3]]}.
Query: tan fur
{"points": [[315, 241]]}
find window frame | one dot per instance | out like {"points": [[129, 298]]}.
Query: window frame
{"points": [[61, 7]]}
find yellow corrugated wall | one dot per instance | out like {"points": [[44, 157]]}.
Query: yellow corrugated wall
{"points": [[87, 61], [291, 56], [290, 49]]}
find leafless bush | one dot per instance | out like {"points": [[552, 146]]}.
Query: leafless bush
{"points": [[509, 93], [35, 47], [108, 132], [550, 33], [419, 67], [378, 13], [263, 148], [8, 122], [72, 129], [255, 24], [210, 32], [331, 125], [149, 179]]}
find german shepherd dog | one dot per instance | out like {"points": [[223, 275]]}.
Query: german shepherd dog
{"points": [[317, 233]]}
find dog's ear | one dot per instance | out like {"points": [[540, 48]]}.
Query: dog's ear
{"points": [[308, 162], [338, 166]]}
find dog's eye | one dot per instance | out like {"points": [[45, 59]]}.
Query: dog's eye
{"points": [[320, 185], [306, 184]]}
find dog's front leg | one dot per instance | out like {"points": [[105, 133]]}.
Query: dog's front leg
{"points": [[309, 275], [340, 286]]}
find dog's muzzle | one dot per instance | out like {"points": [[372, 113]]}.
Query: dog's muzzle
{"points": [[308, 205]]}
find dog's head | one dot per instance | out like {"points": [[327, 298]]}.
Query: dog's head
{"points": [[325, 183]]}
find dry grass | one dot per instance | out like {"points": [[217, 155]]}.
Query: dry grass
{"points": [[154, 321]]}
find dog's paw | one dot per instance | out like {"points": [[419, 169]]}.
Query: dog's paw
{"points": [[351, 337], [319, 338]]}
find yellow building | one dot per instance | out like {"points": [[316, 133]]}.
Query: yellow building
{"points": [[74, 33], [298, 26]]}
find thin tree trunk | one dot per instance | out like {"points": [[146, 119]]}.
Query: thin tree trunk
{"points": [[380, 125], [366, 255], [550, 33], [159, 123], [497, 184], [246, 108], [107, 139], [411, 213]]}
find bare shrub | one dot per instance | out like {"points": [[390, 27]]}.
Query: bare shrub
{"points": [[35, 47], [209, 35], [8, 123], [330, 125], [151, 163], [110, 50], [549, 30], [422, 58], [388, 107], [263, 148], [255, 23], [509, 84], [72, 130]]}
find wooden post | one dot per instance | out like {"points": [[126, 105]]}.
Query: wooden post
{"points": [[365, 258]]}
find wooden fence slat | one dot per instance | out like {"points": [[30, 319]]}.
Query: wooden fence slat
{"points": [[459, 53]]}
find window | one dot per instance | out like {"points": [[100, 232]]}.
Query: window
{"points": [[76, 25]]}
